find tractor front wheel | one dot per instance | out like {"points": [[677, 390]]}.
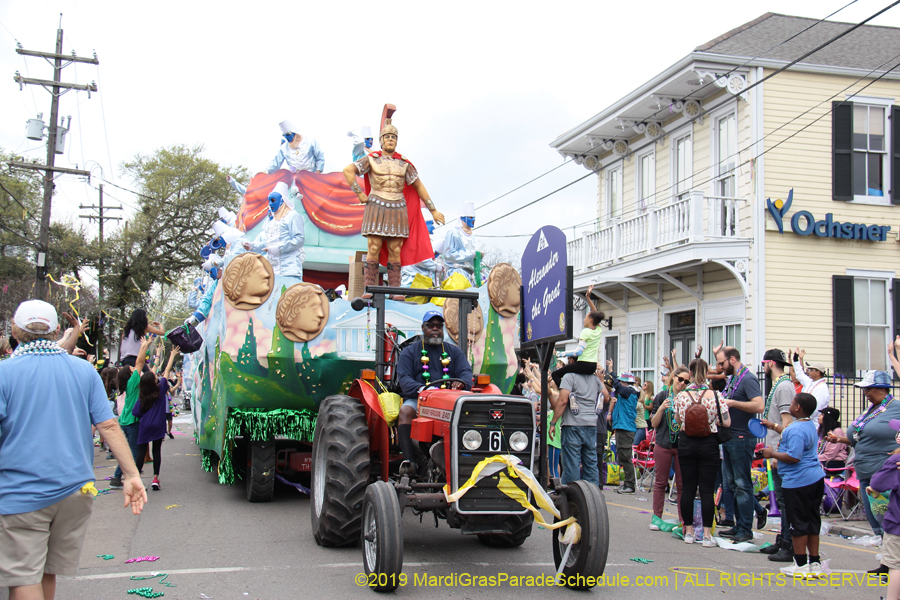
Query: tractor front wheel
{"points": [[588, 556], [382, 537]]}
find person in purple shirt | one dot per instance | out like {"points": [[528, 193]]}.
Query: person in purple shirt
{"points": [[888, 480], [151, 409]]}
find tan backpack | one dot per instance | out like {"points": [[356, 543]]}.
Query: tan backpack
{"points": [[696, 418]]}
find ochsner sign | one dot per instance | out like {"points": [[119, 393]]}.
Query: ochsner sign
{"points": [[804, 223], [546, 312]]}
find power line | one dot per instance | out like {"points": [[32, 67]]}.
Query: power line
{"points": [[760, 55], [691, 120], [27, 212], [105, 131], [127, 190], [14, 232], [782, 126], [538, 200], [568, 160]]}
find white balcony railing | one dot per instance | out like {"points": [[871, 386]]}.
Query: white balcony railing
{"points": [[693, 219]]}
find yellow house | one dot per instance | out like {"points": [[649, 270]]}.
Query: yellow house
{"points": [[746, 194]]}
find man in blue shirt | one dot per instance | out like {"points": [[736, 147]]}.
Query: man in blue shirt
{"points": [[802, 481], [420, 364], [623, 413], [48, 402]]}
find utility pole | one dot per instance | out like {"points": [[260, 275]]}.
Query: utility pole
{"points": [[58, 57], [100, 217]]}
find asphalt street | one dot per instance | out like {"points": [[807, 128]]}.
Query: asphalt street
{"points": [[212, 543]]}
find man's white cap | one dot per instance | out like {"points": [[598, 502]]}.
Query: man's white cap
{"points": [[468, 209], [36, 311], [287, 127], [366, 131], [229, 216], [229, 234]]}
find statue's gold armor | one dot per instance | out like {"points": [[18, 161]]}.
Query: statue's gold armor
{"points": [[386, 212]]}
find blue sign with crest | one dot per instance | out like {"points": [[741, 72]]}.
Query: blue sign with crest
{"points": [[546, 289]]}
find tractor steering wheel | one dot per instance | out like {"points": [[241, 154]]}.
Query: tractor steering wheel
{"points": [[437, 384]]}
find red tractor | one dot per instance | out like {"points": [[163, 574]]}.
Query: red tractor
{"points": [[357, 496]]}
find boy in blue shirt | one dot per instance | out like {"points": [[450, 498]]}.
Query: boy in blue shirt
{"points": [[803, 485]]}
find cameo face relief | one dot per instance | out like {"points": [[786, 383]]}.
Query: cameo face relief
{"points": [[503, 289], [248, 281], [475, 321], [302, 312]]}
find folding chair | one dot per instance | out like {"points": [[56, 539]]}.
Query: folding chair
{"points": [[851, 487], [644, 463]]}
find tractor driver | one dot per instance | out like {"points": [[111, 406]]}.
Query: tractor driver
{"points": [[425, 362]]}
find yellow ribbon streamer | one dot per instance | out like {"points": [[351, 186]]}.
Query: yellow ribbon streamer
{"points": [[511, 490]]}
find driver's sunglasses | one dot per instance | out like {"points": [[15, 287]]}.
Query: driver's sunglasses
{"points": [[683, 380]]}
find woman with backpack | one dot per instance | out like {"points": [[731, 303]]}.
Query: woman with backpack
{"points": [[699, 411]]}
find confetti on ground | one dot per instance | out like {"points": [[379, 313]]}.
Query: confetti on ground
{"points": [[142, 559], [101, 467], [107, 478], [645, 512], [106, 556], [173, 506], [206, 597], [638, 559], [106, 491]]}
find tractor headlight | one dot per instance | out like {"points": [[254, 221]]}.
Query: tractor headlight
{"points": [[472, 440], [518, 441]]}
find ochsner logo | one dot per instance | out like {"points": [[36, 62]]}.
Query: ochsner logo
{"points": [[779, 208]]}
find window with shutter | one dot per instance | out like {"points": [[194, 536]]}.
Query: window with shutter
{"points": [[842, 150], [843, 319], [895, 155]]}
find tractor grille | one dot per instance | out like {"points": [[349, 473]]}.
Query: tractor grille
{"points": [[483, 416]]}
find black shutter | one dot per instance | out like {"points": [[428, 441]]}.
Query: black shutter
{"points": [[842, 150], [895, 155], [844, 348]]}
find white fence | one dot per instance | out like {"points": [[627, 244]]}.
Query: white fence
{"points": [[694, 218]]}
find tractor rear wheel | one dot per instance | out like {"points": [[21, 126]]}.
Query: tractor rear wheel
{"points": [[260, 474], [340, 471], [382, 537], [520, 525], [588, 557]]}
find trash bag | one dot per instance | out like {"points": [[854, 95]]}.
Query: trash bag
{"points": [[186, 338], [666, 526]]}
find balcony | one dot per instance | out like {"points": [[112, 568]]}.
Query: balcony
{"points": [[695, 219]]}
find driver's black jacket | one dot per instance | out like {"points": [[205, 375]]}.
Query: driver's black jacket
{"points": [[409, 367]]}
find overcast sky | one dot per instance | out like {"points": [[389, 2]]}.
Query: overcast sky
{"points": [[482, 88]]}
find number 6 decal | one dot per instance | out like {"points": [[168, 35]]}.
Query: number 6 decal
{"points": [[496, 441]]}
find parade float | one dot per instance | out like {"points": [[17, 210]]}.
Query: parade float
{"points": [[275, 346]]}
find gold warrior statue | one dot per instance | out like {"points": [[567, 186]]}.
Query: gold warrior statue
{"points": [[392, 217]]}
